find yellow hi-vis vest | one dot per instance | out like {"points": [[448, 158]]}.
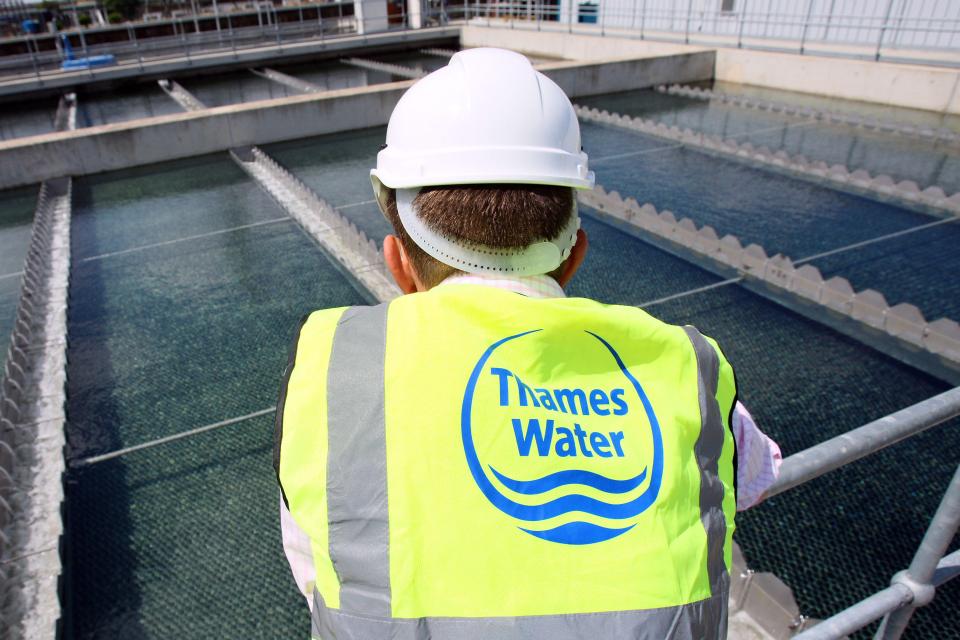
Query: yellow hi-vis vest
{"points": [[470, 463]]}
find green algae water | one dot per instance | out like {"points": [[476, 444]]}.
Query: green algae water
{"points": [[785, 215], [186, 284]]}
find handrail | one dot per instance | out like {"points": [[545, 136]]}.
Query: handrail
{"points": [[909, 589], [911, 38], [851, 446], [859, 615]]}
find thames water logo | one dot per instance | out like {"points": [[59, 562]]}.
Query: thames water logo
{"points": [[573, 463]]}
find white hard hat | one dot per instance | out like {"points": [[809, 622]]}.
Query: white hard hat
{"points": [[488, 117]]}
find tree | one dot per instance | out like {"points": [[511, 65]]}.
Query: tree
{"points": [[124, 8]]}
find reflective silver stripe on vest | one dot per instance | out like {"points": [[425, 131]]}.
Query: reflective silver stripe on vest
{"points": [[357, 462], [708, 448], [704, 620]]}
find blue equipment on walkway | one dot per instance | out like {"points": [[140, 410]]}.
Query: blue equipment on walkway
{"points": [[71, 63]]}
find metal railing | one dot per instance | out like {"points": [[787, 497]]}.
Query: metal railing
{"points": [[228, 36], [891, 29], [853, 445], [915, 587], [882, 29], [272, 30]]}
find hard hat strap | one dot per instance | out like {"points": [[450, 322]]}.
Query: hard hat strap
{"points": [[536, 259]]}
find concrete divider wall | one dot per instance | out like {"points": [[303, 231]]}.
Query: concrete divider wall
{"points": [[357, 255], [902, 326], [586, 79], [139, 142], [32, 421], [554, 43], [288, 81], [376, 65], [181, 96], [33, 417], [604, 64], [440, 53], [66, 116], [903, 85]]}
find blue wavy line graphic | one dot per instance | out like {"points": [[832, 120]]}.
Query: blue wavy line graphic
{"points": [[578, 533], [570, 477], [586, 533]]}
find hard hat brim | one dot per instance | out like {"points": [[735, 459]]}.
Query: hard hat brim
{"points": [[400, 169]]}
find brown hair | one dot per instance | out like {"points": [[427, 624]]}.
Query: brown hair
{"points": [[506, 216]]}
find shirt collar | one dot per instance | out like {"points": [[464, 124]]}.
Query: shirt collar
{"points": [[541, 286]]}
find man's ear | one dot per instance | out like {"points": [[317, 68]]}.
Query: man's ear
{"points": [[398, 264], [577, 254]]}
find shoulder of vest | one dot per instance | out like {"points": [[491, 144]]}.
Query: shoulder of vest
{"points": [[320, 321], [726, 368], [317, 330], [725, 365]]}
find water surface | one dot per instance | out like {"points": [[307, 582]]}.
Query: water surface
{"points": [[902, 157], [785, 215], [186, 284]]}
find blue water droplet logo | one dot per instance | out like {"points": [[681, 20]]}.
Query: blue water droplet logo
{"points": [[537, 437]]}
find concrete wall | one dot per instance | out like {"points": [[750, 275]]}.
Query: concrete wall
{"points": [[901, 85], [560, 44], [579, 79], [139, 142], [371, 15]]}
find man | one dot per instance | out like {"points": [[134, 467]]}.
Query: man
{"points": [[484, 458]]}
